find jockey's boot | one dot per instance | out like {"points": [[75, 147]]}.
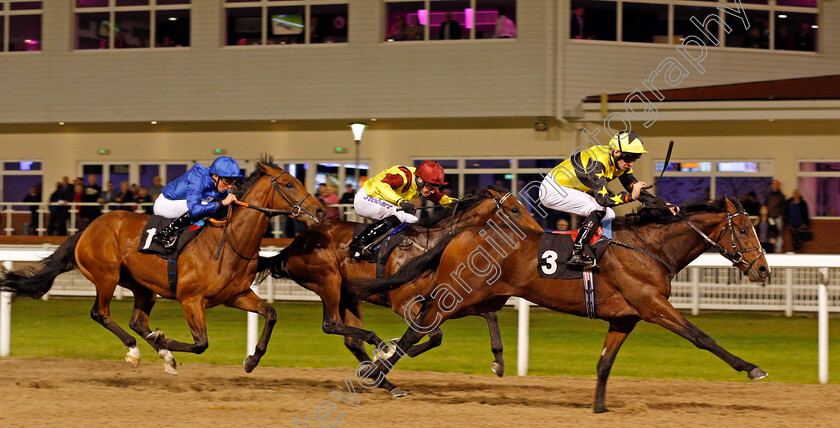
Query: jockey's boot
{"points": [[361, 247], [169, 234], [578, 259]]}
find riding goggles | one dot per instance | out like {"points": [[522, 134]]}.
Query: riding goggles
{"points": [[630, 157], [230, 181]]}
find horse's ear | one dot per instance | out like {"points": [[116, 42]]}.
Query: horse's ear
{"points": [[729, 205]]}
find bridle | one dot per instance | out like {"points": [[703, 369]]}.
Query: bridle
{"points": [[269, 212], [736, 256]]}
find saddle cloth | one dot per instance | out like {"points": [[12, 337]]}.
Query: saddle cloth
{"points": [[156, 223], [554, 250], [380, 254]]}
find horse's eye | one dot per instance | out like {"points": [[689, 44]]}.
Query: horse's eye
{"points": [[290, 185], [515, 210], [743, 231]]}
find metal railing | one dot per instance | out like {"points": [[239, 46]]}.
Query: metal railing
{"points": [[11, 209]]}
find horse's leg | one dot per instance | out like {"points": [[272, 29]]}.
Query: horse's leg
{"points": [[194, 312], [331, 299], [435, 339], [659, 311], [428, 320], [615, 337], [101, 313], [498, 365], [252, 303], [144, 301], [353, 317]]}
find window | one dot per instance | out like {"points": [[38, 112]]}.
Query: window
{"points": [[126, 24], [449, 20], [285, 22], [687, 182], [23, 21], [775, 25], [819, 184]]}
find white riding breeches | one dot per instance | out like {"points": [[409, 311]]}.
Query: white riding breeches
{"points": [[569, 200], [377, 209], [169, 208]]}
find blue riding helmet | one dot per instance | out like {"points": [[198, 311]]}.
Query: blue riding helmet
{"points": [[225, 166]]}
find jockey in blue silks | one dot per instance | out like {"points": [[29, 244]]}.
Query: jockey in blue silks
{"points": [[197, 194]]}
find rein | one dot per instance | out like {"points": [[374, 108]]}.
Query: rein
{"points": [[268, 211]]}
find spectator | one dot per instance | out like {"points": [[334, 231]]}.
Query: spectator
{"points": [[34, 195], [78, 192], [777, 206], [505, 28], [579, 29], [414, 31], [804, 39], [321, 190], [349, 194], [398, 29], [751, 204], [314, 30], [157, 187], [109, 195], [91, 194], [766, 229], [450, 29], [143, 197], [797, 220], [61, 212], [124, 196], [563, 224], [328, 197], [135, 189]]}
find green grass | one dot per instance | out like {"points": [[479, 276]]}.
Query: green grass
{"points": [[560, 344]]}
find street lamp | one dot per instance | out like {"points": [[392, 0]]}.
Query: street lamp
{"points": [[358, 128]]}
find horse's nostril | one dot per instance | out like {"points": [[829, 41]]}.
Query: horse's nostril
{"points": [[762, 269]]}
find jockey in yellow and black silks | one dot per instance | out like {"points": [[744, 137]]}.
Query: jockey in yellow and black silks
{"points": [[389, 197], [578, 185]]}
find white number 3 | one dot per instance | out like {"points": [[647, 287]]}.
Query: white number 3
{"points": [[550, 257]]}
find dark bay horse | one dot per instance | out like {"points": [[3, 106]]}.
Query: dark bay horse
{"points": [[106, 253], [631, 284], [319, 260]]}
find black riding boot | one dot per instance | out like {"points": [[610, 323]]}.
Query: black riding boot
{"points": [[361, 246], [169, 234], [578, 259]]}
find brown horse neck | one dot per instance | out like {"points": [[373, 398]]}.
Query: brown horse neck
{"points": [[682, 244]]}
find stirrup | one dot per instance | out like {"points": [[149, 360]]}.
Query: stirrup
{"points": [[581, 261], [166, 241]]}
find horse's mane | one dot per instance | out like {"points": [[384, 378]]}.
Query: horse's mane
{"points": [[471, 199], [245, 186], [662, 215]]}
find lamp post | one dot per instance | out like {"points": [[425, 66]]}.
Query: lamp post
{"points": [[358, 128]]}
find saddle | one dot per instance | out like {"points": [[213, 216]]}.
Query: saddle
{"points": [[381, 253], [150, 246], [554, 250]]}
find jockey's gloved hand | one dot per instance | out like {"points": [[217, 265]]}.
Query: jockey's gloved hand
{"points": [[452, 201], [407, 206]]}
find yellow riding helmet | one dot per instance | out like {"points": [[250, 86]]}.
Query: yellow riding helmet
{"points": [[627, 142]]}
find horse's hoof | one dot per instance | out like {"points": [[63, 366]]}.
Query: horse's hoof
{"points": [[498, 369], [133, 357], [757, 373], [250, 364], [397, 392], [168, 362]]}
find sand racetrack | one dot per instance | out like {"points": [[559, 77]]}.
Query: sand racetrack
{"points": [[75, 393]]}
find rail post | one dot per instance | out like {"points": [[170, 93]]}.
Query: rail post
{"points": [[823, 325], [522, 338], [5, 317]]}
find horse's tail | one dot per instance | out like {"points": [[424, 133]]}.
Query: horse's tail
{"points": [[427, 262], [36, 282], [274, 266]]}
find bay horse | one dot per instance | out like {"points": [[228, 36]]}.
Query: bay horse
{"points": [[632, 281], [319, 260], [106, 253]]}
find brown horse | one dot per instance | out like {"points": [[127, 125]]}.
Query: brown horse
{"points": [[106, 253], [319, 260], [632, 283]]}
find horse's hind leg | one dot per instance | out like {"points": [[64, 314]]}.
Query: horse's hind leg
{"points": [[661, 312], [498, 365], [144, 301], [353, 317], [252, 303], [615, 338], [101, 313]]}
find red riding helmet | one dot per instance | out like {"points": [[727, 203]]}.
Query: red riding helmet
{"points": [[430, 172]]}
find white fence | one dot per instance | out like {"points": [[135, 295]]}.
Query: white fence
{"points": [[800, 283]]}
